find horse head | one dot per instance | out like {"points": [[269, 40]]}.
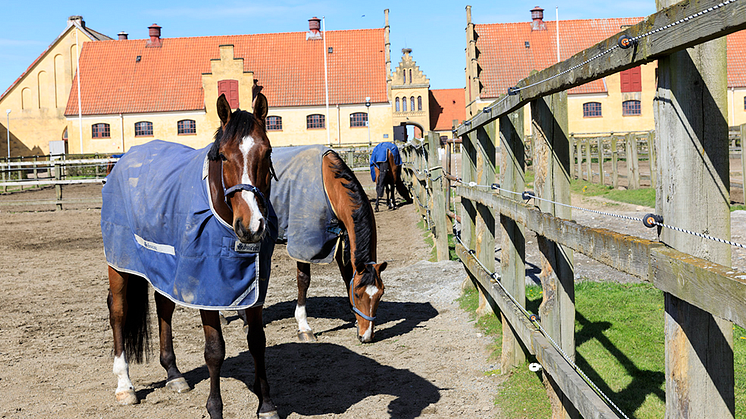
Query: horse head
{"points": [[366, 290], [242, 146]]}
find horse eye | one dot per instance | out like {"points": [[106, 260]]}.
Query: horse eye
{"points": [[222, 157]]}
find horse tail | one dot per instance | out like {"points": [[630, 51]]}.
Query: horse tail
{"points": [[137, 320]]}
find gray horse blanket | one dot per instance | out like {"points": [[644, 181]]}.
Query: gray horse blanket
{"points": [[157, 222], [305, 216]]}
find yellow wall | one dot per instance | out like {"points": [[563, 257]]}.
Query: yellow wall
{"points": [[38, 101], [736, 106]]}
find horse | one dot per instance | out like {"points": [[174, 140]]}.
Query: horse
{"points": [[385, 170], [320, 204], [223, 229]]}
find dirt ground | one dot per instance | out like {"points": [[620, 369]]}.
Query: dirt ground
{"points": [[427, 359]]}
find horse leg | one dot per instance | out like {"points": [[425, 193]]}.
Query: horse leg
{"points": [[174, 381], [257, 345], [380, 185], [214, 356], [305, 333], [117, 302]]}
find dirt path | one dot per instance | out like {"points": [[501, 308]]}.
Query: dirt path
{"points": [[55, 344]]}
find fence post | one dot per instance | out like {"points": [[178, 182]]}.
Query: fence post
{"points": [[58, 187], [572, 155], [693, 193], [486, 159], [438, 209], [447, 169], [652, 160], [588, 160], [629, 142], [601, 161], [580, 158], [468, 174], [552, 182], [513, 256], [635, 162], [614, 163]]}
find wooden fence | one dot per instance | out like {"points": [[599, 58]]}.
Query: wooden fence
{"points": [[702, 294]]}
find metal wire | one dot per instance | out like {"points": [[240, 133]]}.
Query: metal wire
{"points": [[533, 319]]}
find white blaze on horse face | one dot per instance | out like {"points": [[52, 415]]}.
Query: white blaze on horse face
{"points": [[368, 335], [122, 371], [302, 319], [249, 197], [371, 290]]}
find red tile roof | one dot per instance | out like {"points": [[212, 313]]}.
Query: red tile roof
{"points": [[289, 67], [737, 59], [504, 58], [445, 106]]}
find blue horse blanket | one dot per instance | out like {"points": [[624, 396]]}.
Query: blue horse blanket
{"points": [[157, 222], [305, 216], [379, 154]]}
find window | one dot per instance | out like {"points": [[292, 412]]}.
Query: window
{"points": [[274, 123], [186, 126], [143, 129], [419, 103], [404, 104], [359, 119], [315, 121], [100, 131], [631, 107], [397, 105], [411, 102], [592, 110], [230, 89], [410, 76], [631, 80], [744, 103]]}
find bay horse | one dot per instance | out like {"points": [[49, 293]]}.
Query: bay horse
{"points": [[205, 241], [320, 204], [385, 170]]}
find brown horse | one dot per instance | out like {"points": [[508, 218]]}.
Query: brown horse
{"points": [[237, 173], [386, 169]]}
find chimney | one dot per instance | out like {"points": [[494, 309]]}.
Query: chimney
{"points": [[314, 28], [75, 18], [123, 36], [537, 15], [155, 36]]}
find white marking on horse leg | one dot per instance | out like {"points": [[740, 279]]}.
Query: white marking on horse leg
{"points": [[302, 319], [249, 197], [122, 371], [371, 290]]}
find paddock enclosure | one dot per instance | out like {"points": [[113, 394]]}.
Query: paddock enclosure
{"points": [[689, 256], [427, 359]]}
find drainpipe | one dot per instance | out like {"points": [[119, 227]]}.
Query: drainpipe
{"points": [[339, 126], [121, 123]]}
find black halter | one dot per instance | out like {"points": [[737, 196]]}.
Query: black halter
{"points": [[240, 187]]}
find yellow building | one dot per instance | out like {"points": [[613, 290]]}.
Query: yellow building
{"points": [[499, 55], [410, 95], [37, 99]]}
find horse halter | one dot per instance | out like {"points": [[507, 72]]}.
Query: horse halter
{"points": [[239, 187], [352, 293]]}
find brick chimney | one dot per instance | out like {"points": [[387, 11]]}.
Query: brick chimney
{"points": [[75, 18], [123, 36], [537, 15], [155, 36], [314, 28]]}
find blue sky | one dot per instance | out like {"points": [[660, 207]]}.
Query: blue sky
{"points": [[433, 29]]}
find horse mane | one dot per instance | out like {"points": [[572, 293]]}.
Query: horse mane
{"points": [[240, 124], [362, 218]]}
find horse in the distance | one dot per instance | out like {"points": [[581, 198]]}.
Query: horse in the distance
{"points": [[320, 204], [385, 170], [197, 226]]}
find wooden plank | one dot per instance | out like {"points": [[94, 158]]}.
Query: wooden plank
{"points": [[572, 155], [588, 167], [715, 24], [652, 160], [439, 203], [513, 253], [600, 147], [468, 174], [693, 193], [485, 171], [580, 158]]}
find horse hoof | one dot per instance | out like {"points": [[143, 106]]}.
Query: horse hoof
{"points": [[127, 397], [268, 415], [178, 385], [306, 337]]}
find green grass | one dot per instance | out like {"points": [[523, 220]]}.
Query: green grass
{"points": [[619, 345]]}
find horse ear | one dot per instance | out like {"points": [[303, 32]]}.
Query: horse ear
{"points": [[381, 267], [224, 109], [261, 107]]}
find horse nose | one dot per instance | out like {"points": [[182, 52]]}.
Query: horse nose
{"points": [[245, 234]]}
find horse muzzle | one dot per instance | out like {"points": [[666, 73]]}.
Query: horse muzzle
{"points": [[248, 234]]}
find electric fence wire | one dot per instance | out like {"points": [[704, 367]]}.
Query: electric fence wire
{"points": [[533, 318], [629, 40]]}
